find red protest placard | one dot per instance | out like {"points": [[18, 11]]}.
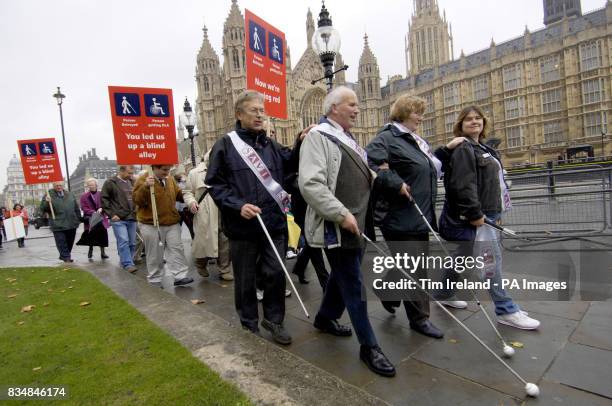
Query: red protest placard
{"points": [[39, 161], [265, 63], [143, 124]]}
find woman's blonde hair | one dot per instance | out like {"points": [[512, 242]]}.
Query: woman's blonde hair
{"points": [[406, 105], [91, 180], [457, 127]]}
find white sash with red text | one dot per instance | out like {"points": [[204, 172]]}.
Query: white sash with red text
{"points": [[259, 168]]}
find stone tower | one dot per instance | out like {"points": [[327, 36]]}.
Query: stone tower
{"points": [[368, 91], [210, 89], [429, 42], [555, 10], [234, 70]]}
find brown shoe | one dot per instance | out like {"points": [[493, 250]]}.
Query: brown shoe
{"points": [[131, 268], [227, 276], [201, 264]]}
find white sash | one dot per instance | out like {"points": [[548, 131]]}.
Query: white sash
{"points": [[343, 138], [259, 168], [505, 194], [423, 146]]}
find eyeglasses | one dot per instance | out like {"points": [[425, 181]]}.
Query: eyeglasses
{"points": [[256, 111]]}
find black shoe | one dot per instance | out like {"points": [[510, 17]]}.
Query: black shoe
{"points": [[254, 330], [332, 327], [427, 328], [183, 282], [279, 334], [376, 361], [389, 305], [103, 254], [67, 260], [90, 253]]}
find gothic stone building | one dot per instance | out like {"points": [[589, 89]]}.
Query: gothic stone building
{"points": [[544, 92]]}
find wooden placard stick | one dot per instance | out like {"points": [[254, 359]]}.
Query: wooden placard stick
{"points": [[50, 205]]}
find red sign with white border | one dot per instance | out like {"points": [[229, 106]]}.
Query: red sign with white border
{"points": [[143, 124], [265, 63], [39, 161]]}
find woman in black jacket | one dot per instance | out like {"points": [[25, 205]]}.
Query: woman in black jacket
{"points": [[408, 171], [475, 190]]}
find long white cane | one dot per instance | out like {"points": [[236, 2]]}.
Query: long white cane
{"points": [[282, 265]]}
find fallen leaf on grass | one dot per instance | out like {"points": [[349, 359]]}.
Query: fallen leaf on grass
{"points": [[28, 308], [36, 369], [49, 290], [83, 304], [197, 301], [69, 287], [63, 290], [74, 280], [19, 323], [11, 280], [44, 282], [453, 341], [12, 296], [45, 304], [516, 344]]}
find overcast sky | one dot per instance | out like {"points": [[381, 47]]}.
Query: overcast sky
{"points": [[84, 46]]}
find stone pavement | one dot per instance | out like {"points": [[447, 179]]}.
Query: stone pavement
{"points": [[570, 357]]}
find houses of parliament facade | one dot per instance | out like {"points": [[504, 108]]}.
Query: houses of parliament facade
{"points": [[544, 92]]}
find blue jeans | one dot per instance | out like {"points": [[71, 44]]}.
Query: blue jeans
{"points": [[503, 302], [125, 233], [345, 290]]}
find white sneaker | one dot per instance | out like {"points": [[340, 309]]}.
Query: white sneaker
{"points": [[287, 293], [456, 304], [259, 295], [291, 255], [518, 320]]}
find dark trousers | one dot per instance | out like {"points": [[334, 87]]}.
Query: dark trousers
{"points": [[345, 290], [64, 240], [417, 308], [316, 256], [250, 257]]}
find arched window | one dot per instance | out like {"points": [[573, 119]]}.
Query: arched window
{"points": [[312, 107], [370, 86], [206, 85]]}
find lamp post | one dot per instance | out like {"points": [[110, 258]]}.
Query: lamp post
{"points": [[187, 121], [60, 98], [326, 42]]}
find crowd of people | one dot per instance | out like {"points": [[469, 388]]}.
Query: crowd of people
{"points": [[235, 203]]}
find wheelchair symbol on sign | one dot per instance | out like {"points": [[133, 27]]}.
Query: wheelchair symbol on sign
{"points": [[156, 108]]}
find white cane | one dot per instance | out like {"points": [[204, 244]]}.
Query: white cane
{"points": [[282, 265], [430, 227]]}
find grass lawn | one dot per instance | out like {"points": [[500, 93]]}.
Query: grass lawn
{"points": [[105, 351]]}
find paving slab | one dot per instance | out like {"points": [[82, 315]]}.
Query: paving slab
{"points": [[585, 368], [417, 383], [555, 394], [461, 355], [595, 329], [570, 310]]}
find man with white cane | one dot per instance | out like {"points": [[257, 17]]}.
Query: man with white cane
{"points": [[244, 176], [335, 181]]}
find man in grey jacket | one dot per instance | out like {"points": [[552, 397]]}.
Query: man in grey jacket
{"points": [[335, 181]]}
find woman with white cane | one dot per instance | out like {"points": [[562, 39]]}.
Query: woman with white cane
{"points": [[408, 171], [476, 192]]}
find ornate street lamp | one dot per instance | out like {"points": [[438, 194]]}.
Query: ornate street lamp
{"points": [[326, 42], [60, 99], [187, 122]]}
